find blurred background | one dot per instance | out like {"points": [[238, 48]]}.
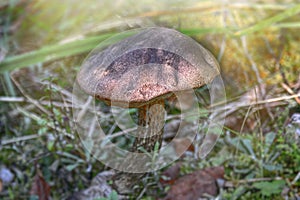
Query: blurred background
{"points": [[42, 46]]}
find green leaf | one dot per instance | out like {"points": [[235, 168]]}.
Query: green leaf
{"points": [[42, 130], [71, 167], [269, 138], [272, 167], [50, 145], [71, 156], [156, 150], [113, 196], [33, 197], [243, 170], [236, 142], [269, 188], [248, 145], [238, 192]]}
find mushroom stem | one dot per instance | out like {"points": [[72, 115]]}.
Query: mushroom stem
{"points": [[151, 123], [151, 126]]}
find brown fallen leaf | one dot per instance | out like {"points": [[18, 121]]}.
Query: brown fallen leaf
{"points": [[40, 187], [195, 185], [170, 175], [182, 145]]}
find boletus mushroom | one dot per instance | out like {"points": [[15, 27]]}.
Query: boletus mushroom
{"points": [[144, 70]]}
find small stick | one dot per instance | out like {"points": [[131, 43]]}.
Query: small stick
{"points": [[19, 139], [290, 91], [253, 180]]}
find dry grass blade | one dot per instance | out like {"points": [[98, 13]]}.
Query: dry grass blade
{"points": [[12, 99], [269, 21], [19, 139], [251, 180], [290, 91], [31, 100], [212, 7]]}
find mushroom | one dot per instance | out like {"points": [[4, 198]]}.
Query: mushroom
{"points": [[144, 70]]}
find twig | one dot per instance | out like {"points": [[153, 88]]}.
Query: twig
{"points": [[120, 133], [290, 91], [16, 112], [3, 53], [12, 99], [296, 178], [242, 104], [253, 180], [142, 193], [92, 127], [44, 102], [84, 109], [19, 139], [31, 100]]}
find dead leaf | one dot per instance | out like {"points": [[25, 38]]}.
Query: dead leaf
{"points": [[40, 187], [195, 185], [182, 145], [170, 175]]}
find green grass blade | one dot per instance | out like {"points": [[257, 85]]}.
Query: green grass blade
{"points": [[57, 51], [200, 31], [269, 21], [288, 25], [51, 53]]}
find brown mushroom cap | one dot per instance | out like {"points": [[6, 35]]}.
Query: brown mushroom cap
{"points": [[148, 66]]}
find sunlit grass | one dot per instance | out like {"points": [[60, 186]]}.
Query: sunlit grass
{"points": [[87, 43]]}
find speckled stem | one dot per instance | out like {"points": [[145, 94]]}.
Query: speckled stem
{"points": [[150, 131], [152, 117]]}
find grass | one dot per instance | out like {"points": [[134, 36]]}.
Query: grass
{"points": [[269, 21], [54, 52], [257, 149], [50, 53]]}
